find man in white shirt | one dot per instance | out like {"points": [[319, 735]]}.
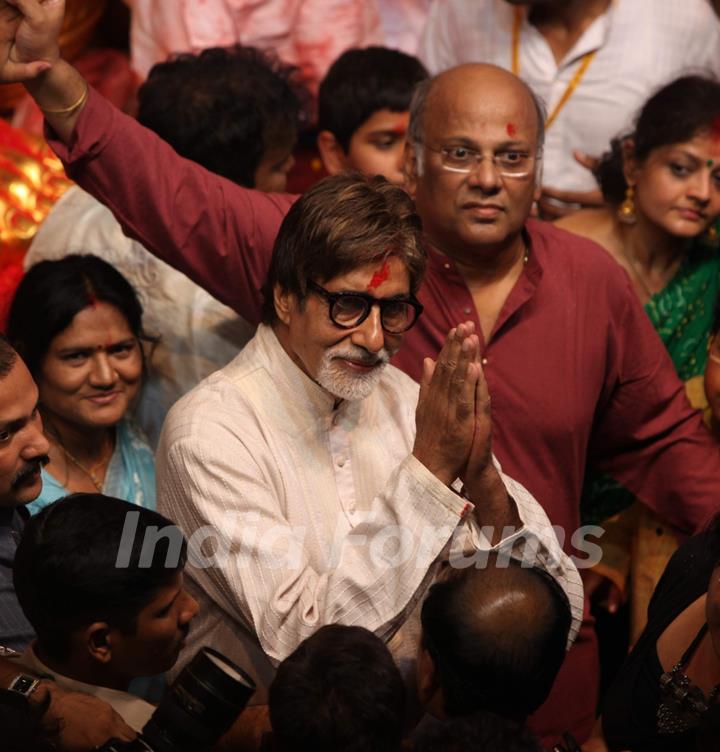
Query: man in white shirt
{"points": [[593, 62], [314, 483]]}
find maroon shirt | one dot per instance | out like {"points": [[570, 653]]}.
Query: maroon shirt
{"points": [[573, 365]]}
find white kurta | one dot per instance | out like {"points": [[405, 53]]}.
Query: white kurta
{"points": [[641, 45], [308, 505]]}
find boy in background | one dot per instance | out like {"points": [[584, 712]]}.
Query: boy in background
{"points": [[363, 111]]}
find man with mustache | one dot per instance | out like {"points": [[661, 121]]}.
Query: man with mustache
{"points": [[23, 451], [321, 486], [84, 721]]}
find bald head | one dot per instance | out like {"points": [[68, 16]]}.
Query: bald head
{"points": [[484, 86], [506, 624]]}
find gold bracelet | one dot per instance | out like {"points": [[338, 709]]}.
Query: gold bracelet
{"points": [[72, 108]]}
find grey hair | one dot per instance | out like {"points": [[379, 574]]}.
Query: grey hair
{"points": [[418, 104]]}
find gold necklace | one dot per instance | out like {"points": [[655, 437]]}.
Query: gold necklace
{"points": [[638, 277], [91, 472]]}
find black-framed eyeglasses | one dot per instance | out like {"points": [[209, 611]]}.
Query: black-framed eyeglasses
{"points": [[349, 309]]}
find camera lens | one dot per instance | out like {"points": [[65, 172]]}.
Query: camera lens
{"points": [[200, 706]]}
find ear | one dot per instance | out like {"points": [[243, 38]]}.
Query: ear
{"points": [[97, 641], [332, 154], [630, 165], [285, 303], [539, 167], [410, 168]]}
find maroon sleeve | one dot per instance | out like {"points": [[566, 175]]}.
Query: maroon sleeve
{"points": [[220, 234], [647, 436]]}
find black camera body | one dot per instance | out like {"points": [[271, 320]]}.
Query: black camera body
{"points": [[200, 706]]}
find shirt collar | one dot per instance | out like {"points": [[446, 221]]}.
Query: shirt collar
{"points": [[445, 266], [295, 383], [592, 39]]}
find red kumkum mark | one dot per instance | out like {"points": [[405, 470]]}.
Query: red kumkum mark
{"points": [[380, 276], [511, 130]]}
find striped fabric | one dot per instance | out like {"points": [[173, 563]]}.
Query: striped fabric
{"points": [[321, 515]]}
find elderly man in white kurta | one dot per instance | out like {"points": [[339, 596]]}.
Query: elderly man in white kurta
{"points": [[316, 483]]}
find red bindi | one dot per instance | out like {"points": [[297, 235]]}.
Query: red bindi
{"points": [[380, 276], [511, 130], [398, 130]]}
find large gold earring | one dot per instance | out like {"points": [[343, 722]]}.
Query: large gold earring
{"points": [[626, 210], [713, 235]]}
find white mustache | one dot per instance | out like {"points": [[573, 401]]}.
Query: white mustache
{"points": [[359, 355]]}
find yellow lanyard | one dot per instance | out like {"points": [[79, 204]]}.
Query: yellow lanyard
{"points": [[579, 73]]}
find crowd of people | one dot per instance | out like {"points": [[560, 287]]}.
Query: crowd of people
{"points": [[389, 446]]}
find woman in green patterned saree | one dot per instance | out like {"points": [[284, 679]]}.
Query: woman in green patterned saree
{"points": [[662, 185]]}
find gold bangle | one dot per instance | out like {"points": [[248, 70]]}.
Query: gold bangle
{"points": [[72, 108]]}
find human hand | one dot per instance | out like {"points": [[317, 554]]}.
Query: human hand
{"points": [[480, 473], [84, 721], [602, 591], [445, 414], [482, 483], [29, 33], [554, 203]]}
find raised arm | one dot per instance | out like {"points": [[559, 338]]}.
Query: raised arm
{"points": [[219, 234]]}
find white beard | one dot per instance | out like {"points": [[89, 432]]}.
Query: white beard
{"points": [[336, 379]]}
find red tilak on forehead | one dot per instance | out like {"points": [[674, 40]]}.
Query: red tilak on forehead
{"points": [[511, 130], [398, 130], [380, 276]]}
